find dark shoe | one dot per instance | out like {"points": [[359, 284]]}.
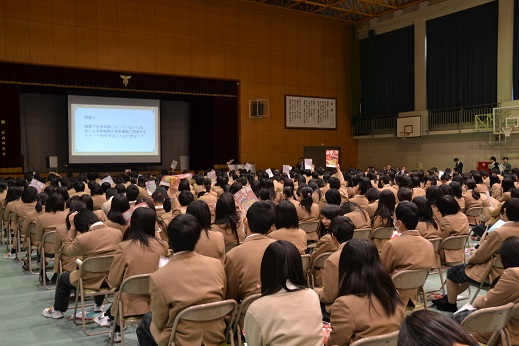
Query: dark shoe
{"points": [[443, 301], [449, 307], [54, 279]]}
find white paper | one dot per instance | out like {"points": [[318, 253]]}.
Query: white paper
{"points": [[127, 171], [150, 187], [286, 169], [467, 307], [489, 199], [498, 224], [107, 179], [247, 166], [308, 163], [212, 175], [174, 164], [38, 185], [269, 172], [440, 174]]}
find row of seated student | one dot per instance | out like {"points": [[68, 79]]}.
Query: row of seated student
{"points": [[224, 226]]}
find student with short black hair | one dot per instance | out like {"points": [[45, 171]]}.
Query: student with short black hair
{"points": [[453, 223], [275, 318], [373, 196], [427, 225], [96, 239], [408, 251], [206, 284], [242, 263], [341, 231], [287, 226]]}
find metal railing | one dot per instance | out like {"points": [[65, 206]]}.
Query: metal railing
{"points": [[457, 118], [380, 125]]}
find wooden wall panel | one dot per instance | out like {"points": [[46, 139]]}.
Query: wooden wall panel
{"points": [[270, 51]]}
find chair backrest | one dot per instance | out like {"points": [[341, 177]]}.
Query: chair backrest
{"points": [[204, 313], [363, 233], [474, 211], [136, 284], [389, 339], [244, 305], [33, 230], [309, 226], [496, 261], [488, 320], [382, 233], [96, 264], [319, 260], [21, 220], [230, 246], [456, 242], [49, 237], [306, 259], [436, 242], [410, 279]]}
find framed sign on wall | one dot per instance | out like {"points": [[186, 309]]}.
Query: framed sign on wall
{"points": [[303, 112]]}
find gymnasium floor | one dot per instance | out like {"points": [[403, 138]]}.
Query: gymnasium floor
{"points": [[22, 300]]}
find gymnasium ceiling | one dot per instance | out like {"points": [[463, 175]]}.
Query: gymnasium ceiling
{"points": [[353, 11]]}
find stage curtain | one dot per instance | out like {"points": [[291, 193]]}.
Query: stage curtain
{"points": [[10, 158], [462, 58], [387, 73]]}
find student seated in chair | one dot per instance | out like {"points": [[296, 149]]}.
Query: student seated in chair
{"points": [[479, 263], [96, 239], [188, 279], [410, 250]]}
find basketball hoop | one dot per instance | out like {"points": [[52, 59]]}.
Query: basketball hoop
{"points": [[404, 135], [508, 130]]}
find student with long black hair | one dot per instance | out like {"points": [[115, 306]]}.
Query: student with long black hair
{"points": [[227, 221], [210, 243], [368, 302], [275, 318], [138, 254]]}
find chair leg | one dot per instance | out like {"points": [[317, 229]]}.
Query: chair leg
{"points": [[121, 319], [78, 292], [114, 327], [440, 271]]}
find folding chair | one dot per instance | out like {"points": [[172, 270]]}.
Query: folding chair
{"points": [[49, 237], [317, 264], [474, 212], [31, 248], [230, 246], [10, 221], [306, 259], [134, 285], [410, 280], [389, 339], [309, 227], [382, 233], [363, 233], [452, 243], [3, 227], [205, 313], [19, 242], [491, 320], [98, 265], [241, 310], [436, 243], [485, 285]]}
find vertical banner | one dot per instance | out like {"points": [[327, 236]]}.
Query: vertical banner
{"points": [[10, 146]]}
